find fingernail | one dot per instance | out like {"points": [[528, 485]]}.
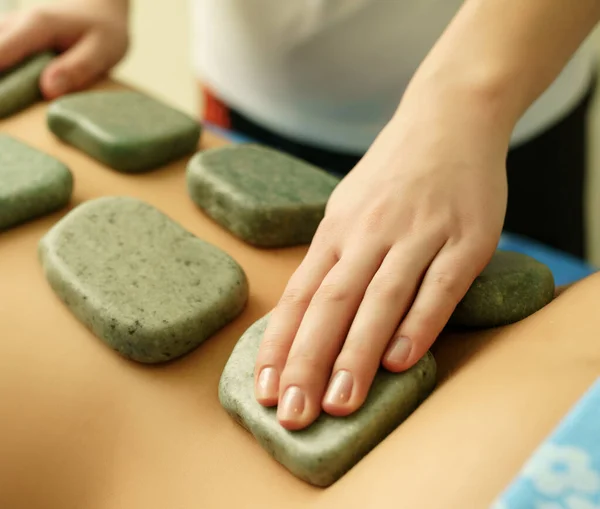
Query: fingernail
{"points": [[399, 350], [268, 383], [292, 404], [59, 84], [340, 388]]}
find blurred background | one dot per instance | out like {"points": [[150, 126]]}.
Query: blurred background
{"points": [[160, 64]]}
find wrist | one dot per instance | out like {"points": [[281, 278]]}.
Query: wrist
{"points": [[475, 103]]}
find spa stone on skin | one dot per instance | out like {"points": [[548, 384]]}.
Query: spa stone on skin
{"points": [[32, 183], [144, 285], [326, 450], [263, 196], [511, 287], [19, 85], [124, 130]]}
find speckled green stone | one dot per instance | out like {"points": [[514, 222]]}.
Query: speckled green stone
{"points": [[263, 196], [32, 183], [147, 287], [326, 450], [511, 287], [19, 85], [126, 130]]}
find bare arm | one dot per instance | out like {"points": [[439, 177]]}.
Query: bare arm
{"points": [[408, 230], [505, 52]]}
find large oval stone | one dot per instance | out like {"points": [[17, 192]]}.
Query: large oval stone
{"points": [[125, 130], [510, 288], [326, 450], [263, 196], [144, 285], [19, 85], [32, 183]]}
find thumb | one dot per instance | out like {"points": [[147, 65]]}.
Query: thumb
{"points": [[76, 68]]}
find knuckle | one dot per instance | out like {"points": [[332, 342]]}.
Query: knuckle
{"points": [[333, 293], [358, 356], [116, 35], [373, 219], [303, 364], [271, 349], [82, 70], [426, 324], [327, 227], [328, 230], [482, 247], [386, 287], [448, 283], [294, 297], [478, 237]]}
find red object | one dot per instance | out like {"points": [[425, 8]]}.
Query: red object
{"points": [[216, 111]]}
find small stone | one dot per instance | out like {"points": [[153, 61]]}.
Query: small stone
{"points": [[19, 85], [125, 130], [32, 183], [326, 450], [263, 196], [148, 288], [511, 287]]}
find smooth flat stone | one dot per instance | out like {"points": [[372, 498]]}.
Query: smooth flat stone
{"points": [[144, 285], [326, 450], [263, 196], [19, 85], [125, 130], [511, 287], [32, 183]]}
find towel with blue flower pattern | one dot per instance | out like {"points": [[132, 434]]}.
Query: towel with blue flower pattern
{"points": [[564, 472]]}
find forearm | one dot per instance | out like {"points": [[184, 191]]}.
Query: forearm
{"points": [[500, 55]]}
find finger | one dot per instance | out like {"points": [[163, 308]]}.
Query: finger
{"points": [[77, 68], [285, 321], [386, 300], [23, 36], [446, 281], [320, 337]]}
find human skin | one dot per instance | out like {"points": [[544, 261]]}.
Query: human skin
{"points": [[411, 226], [408, 230], [91, 35]]}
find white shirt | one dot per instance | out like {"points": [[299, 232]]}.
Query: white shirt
{"points": [[331, 72]]}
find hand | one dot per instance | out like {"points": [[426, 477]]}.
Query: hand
{"points": [[404, 236], [92, 36]]}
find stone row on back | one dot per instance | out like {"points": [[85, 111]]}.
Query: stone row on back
{"points": [[154, 292]]}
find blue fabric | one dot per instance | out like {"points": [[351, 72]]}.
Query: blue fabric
{"points": [[565, 267], [564, 472], [232, 136]]}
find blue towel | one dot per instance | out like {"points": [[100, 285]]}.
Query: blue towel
{"points": [[566, 268], [564, 472]]}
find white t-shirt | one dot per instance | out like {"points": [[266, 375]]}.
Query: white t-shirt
{"points": [[331, 72]]}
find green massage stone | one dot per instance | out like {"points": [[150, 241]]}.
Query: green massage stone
{"points": [[32, 183], [263, 196], [125, 130], [511, 287], [19, 85], [148, 288], [326, 450]]}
